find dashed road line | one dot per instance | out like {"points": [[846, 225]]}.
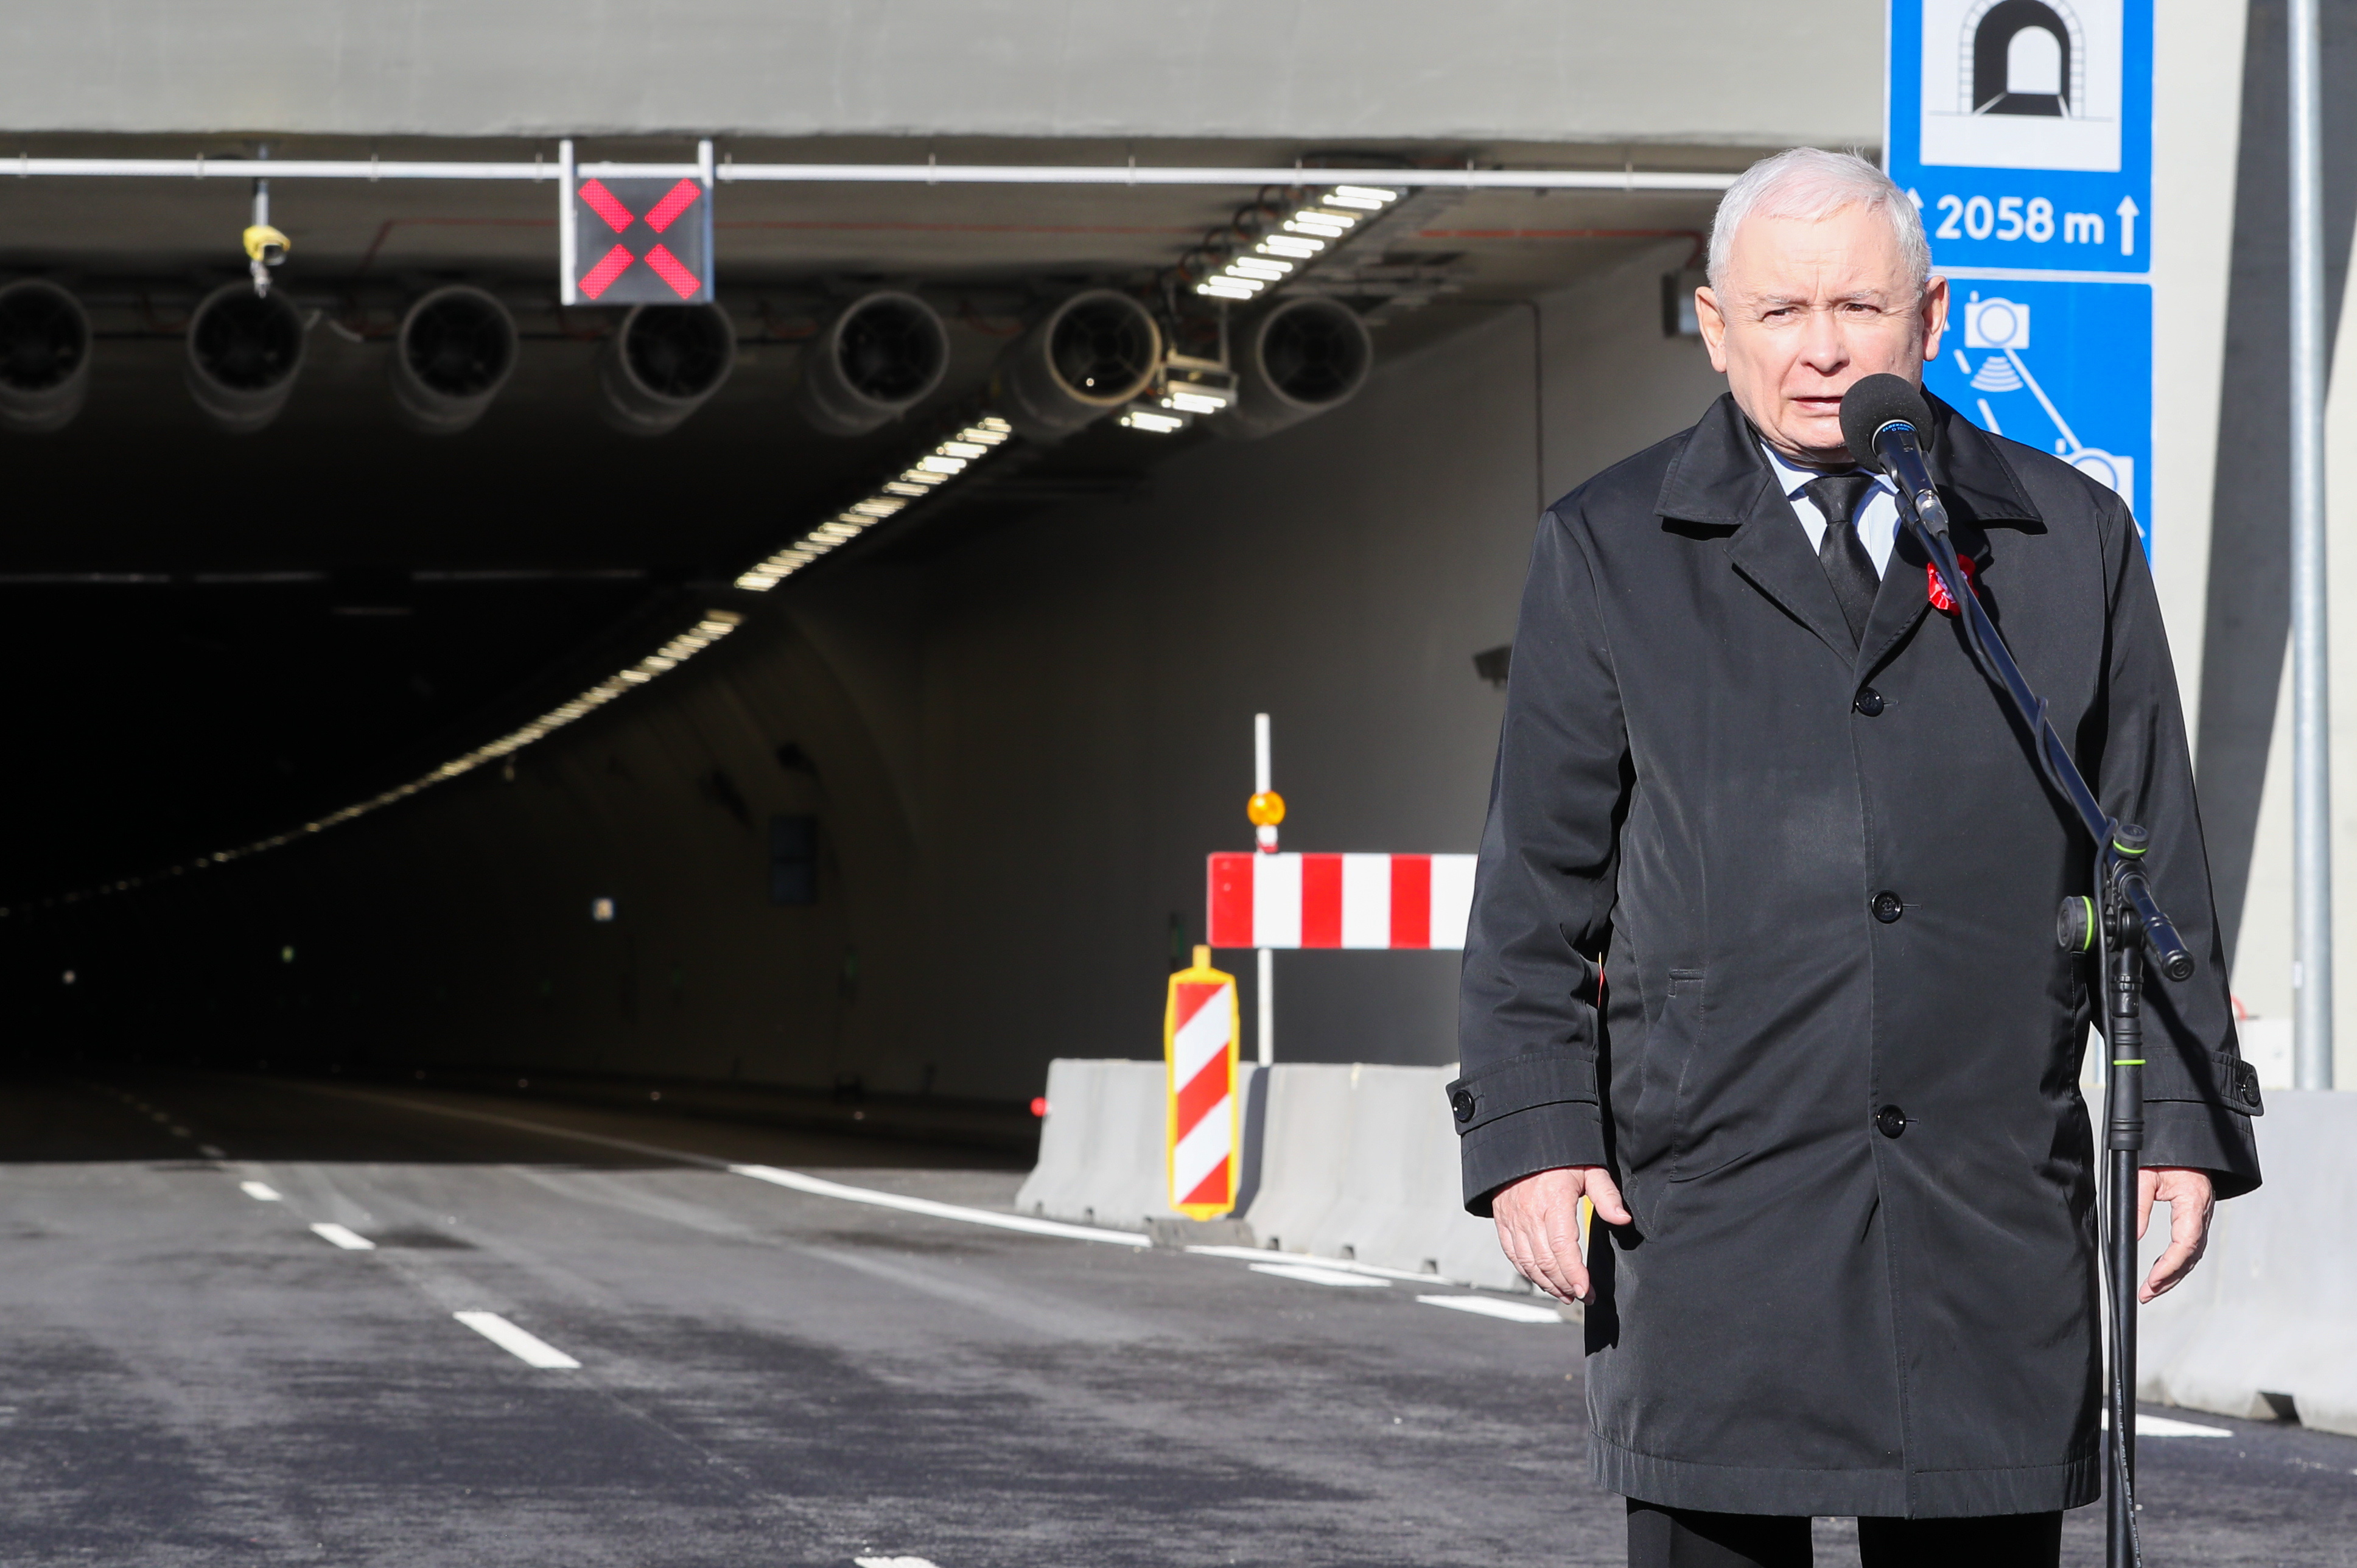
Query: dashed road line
{"points": [[773, 1175], [1494, 1306], [260, 1191], [350, 1240], [1339, 1273], [529, 1349], [1310, 1274], [892, 1562], [212, 1151]]}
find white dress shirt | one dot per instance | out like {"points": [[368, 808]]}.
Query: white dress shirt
{"points": [[1878, 515]]}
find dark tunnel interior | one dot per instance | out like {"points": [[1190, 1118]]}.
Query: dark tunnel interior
{"points": [[913, 819]]}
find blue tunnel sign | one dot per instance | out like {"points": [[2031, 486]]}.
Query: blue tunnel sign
{"points": [[2022, 129]]}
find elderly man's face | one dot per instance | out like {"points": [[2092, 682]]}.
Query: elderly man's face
{"points": [[1803, 311]]}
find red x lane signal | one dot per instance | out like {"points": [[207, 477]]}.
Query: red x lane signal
{"points": [[641, 242]]}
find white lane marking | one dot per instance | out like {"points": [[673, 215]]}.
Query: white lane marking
{"points": [[1023, 1222], [212, 1151], [892, 1562], [182, 1132], [1347, 1265], [771, 1173], [1314, 1277], [260, 1191], [158, 1116], [2162, 1426], [350, 1240], [529, 1349], [1492, 1306]]}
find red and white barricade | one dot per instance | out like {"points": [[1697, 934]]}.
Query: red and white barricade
{"points": [[1199, 1042], [1339, 901]]}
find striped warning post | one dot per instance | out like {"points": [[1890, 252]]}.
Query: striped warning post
{"points": [[1339, 901], [1198, 1042]]}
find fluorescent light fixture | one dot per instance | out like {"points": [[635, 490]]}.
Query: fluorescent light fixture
{"points": [[1196, 400], [714, 626], [1331, 218], [1141, 417], [948, 459]]}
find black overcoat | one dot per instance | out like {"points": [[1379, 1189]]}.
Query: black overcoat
{"points": [[1765, 925]]}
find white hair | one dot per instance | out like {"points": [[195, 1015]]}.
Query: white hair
{"points": [[1812, 185]]}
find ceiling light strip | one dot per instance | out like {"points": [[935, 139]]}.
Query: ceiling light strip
{"points": [[1296, 242], [951, 458], [714, 626]]}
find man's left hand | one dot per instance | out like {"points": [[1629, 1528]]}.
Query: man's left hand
{"points": [[2187, 1193]]}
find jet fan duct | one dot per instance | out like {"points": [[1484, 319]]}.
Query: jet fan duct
{"points": [[881, 356], [663, 362], [456, 348], [1094, 353], [244, 352], [1302, 357], [44, 357]]}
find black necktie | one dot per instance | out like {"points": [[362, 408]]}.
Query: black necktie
{"points": [[1842, 553]]}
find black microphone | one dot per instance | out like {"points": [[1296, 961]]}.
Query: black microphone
{"points": [[1888, 425]]}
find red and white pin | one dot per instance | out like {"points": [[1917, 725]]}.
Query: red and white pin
{"points": [[1942, 600]]}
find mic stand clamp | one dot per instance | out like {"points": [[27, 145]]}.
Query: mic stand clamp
{"points": [[2117, 923]]}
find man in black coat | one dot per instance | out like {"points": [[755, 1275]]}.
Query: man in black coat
{"points": [[1762, 961]]}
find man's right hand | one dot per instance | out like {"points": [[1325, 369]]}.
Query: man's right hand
{"points": [[1538, 1225]]}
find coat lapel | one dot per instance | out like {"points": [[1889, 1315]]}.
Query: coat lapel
{"points": [[1721, 480], [1980, 490]]}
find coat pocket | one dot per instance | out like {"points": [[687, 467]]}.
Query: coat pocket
{"points": [[1685, 1025], [1653, 1135]]}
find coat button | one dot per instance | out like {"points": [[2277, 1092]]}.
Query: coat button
{"points": [[1461, 1102], [1887, 906], [1869, 703], [1890, 1121]]}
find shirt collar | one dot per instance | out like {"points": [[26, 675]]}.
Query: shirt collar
{"points": [[1795, 478]]}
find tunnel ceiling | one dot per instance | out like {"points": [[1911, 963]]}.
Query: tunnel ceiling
{"points": [[218, 636]]}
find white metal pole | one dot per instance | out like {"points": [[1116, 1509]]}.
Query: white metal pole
{"points": [[1266, 976], [711, 183], [2311, 789], [26, 167], [567, 291], [1267, 999]]}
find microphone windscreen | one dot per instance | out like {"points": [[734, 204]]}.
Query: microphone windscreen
{"points": [[1875, 401]]}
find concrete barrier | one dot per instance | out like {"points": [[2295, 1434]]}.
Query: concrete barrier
{"points": [[1102, 1160], [1353, 1162], [1100, 1146], [2272, 1309], [1360, 1162]]}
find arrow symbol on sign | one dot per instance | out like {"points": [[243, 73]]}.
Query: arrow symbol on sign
{"points": [[2127, 209]]}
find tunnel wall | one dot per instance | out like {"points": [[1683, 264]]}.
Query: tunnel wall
{"points": [[1018, 749]]}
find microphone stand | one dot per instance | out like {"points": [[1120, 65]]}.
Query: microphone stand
{"points": [[2116, 922]]}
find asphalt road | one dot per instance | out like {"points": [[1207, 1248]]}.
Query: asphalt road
{"points": [[194, 1372]]}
